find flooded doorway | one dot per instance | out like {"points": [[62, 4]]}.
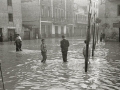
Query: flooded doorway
{"points": [[11, 33], [56, 31], [26, 35], [1, 35]]}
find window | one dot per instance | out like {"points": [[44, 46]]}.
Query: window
{"points": [[10, 16], [9, 2], [61, 1], [62, 13], [59, 13], [118, 10], [48, 11], [56, 13], [76, 17], [42, 13]]}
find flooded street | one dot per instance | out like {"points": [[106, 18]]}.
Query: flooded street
{"points": [[24, 70]]}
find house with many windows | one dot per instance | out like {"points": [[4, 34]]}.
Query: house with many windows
{"points": [[10, 19], [47, 18], [81, 15], [80, 20], [70, 17], [110, 18]]}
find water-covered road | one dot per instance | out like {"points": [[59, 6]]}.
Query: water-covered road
{"points": [[24, 70]]}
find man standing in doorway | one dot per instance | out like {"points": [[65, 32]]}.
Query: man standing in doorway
{"points": [[64, 44]]}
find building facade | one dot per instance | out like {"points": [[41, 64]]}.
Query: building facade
{"points": [[94, 10], [10, 19], [70, 18], [47, 18], [110, 17], [81, 15], [59, 17], [31, 19], [80, 21]]}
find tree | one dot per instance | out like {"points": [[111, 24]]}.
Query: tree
{"points": [[106, 25], [98, 20]]}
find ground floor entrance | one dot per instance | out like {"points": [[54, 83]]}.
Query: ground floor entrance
{"points": [[56, 31], [11, 34], [26, 35], [36, 33], [1, 35]]}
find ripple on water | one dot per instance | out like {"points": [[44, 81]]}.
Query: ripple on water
{"points": [[30, 74], [58, 88]]}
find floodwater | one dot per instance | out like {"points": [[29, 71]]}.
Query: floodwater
{"points": [[24, 70]]}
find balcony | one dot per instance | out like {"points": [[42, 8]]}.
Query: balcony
{"points": [[59, 21]]}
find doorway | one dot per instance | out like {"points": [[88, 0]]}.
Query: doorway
{"points": [[11, 33], [43, 32], [70, 31], [56, 31], [26, 35], [49, 31], [62, 30], [1, 35]]}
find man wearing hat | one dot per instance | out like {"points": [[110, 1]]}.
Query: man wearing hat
{"points": [[18, 42], [64, 44]]}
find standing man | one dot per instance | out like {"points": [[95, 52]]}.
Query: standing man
{"points": [[43, 51], [18, 43], [64, 44]]}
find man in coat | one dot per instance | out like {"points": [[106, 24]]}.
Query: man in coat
{"points": [[64, 44], [18, 43]]}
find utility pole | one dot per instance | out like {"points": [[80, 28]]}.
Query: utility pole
{"points": [[97, 32], [2, 76], [93, 46], [88, 39]]}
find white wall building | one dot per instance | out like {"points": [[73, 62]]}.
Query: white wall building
{"points": [[10, 19]]}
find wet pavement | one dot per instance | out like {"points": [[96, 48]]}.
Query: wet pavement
{"points": [[24, 70]]}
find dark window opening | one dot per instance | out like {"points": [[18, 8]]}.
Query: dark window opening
{"points": [[9, 2], [10, 16], [118, 10]]}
